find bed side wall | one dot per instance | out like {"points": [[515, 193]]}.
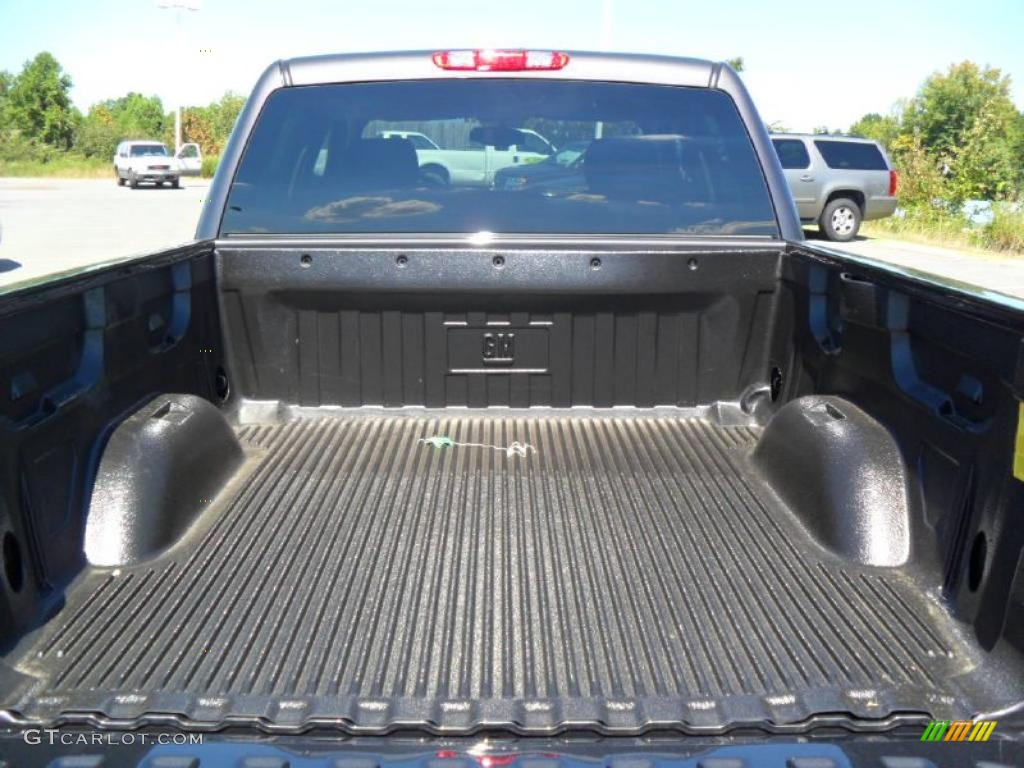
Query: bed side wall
{"points": [[944, 373], [76, 356]]}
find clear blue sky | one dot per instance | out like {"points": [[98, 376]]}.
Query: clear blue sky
{"points": [[808, 62]]}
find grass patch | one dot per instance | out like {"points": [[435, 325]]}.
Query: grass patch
{"points": [[1003, 236], [209, 166], [70, 166], [67, 166], [1006, 232]]}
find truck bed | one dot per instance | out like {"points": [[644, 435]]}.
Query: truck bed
{"points": [[621, 571]]}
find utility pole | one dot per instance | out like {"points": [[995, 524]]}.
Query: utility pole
{"points": [[606, 24], [178, 6], [606, 44]]}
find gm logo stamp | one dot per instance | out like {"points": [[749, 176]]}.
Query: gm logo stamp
{"points": [[497, 351], [499, 348]]}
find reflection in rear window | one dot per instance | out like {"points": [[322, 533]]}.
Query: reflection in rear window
{"points": [[851, 155], [645, 160]]}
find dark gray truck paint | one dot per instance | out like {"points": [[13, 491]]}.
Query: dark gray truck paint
{"points": [[743, 483]]}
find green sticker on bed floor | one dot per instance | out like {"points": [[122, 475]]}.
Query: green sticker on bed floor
{"points": [[513, 449]]}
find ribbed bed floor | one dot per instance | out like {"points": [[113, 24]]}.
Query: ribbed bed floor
{"points": [[624, 572]]}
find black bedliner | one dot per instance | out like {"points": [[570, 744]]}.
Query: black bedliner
{"points": [[767, 489], [617, 573]]}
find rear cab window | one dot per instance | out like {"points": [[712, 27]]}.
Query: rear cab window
{"points": [[851, 155], [148, 150], [792, 153], [651, 159]]}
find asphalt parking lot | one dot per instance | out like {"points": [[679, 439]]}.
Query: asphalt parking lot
{"points": [[1000, 274], [53, 225]]}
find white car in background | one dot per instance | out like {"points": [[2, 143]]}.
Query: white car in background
{"points": [[419, 140], [137, 162], [190, 160], [490, 149]]}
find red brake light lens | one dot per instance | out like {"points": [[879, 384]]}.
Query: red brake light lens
{"points": [[894, 182], [489, 60]]}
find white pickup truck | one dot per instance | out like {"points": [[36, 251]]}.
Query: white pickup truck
{"points": [[492, 150], [150, 161]]}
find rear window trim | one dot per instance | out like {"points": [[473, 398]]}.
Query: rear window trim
{"points": [[493, 239]]}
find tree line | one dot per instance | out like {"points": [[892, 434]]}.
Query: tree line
{"points": [[960, 137], [38, 122]]}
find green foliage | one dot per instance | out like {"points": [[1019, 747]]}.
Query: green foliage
{"points": [[6, 81], [55, 163], [38, 124], [209, 166], [138, 116], [967, 121], [208, 126], [983, 164], [1004, 234], [1017, 144], [959, 138], [108, 122], [921, 181], [36, 104], [225, 114], [1006, 231], [736, 63], [881, 128], [22, 155], [947, 105], [99, 134], [14, 146]]}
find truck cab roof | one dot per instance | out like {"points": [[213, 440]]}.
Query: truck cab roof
{"points": [[582, 65]]}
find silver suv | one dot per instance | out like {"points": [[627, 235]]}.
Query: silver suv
{"points": [[837, 181]]}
